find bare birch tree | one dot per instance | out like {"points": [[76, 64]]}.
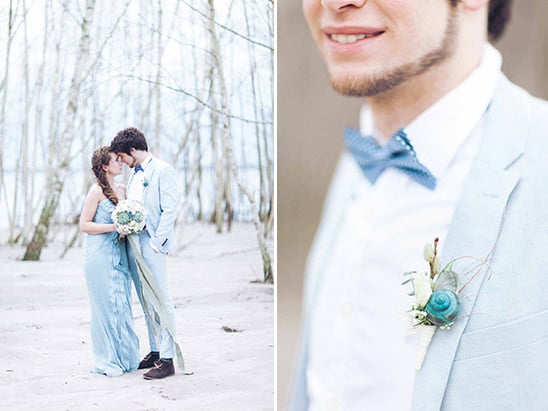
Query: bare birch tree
{"points": [[227, 148], [4, 90], [183, 84], [217, 216], [57, 176], [24, 162], [157, 91]]}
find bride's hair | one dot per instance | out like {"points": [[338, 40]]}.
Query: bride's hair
{"points": [[101, 157]]}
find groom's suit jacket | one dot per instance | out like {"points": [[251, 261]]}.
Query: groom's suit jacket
{"points": [[160, 201], [495, 357]]}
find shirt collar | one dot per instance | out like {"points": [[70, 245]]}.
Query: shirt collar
{"points": [[438, 132]]}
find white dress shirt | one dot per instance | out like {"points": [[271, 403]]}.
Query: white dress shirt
{"points": [[362, 350], [136, 185]]}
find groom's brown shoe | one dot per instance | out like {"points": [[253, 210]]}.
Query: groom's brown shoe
{"points": [[149, 360], [162, 368]]}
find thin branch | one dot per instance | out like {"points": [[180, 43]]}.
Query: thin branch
{"points": [[198, 99], [257, 43]]}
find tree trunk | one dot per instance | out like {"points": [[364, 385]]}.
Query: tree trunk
{"points": [[225, 135], [4, 90], [254, 92], [38, 132], [200, 215], [26, 185], [157, 91], [57, 177], [219, 186]]}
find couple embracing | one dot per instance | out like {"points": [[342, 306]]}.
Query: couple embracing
{"points": [[110, 265]]}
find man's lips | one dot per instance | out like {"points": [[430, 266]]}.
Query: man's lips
{"points": [[351, 38], [351, 35]]}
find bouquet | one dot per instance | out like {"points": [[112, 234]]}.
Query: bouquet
{"points": [[129, 217]]}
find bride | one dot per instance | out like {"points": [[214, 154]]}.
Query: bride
{"points": [[115, 344]]}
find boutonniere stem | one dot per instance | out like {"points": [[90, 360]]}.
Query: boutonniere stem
{"points": [[427, 333]]}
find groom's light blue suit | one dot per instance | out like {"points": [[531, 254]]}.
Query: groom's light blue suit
{"points": [[160, 200], [495, 357]]}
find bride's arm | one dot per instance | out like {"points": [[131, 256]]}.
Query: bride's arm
{"points": [[94, 196]]}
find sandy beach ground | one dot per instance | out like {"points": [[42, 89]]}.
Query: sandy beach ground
{"points": [[46, 356]]}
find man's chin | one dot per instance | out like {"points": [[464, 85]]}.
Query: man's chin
{"points": [[362, 86], [351, 87]]}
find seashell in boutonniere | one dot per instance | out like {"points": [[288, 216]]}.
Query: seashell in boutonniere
{"points": [[443, 308]]}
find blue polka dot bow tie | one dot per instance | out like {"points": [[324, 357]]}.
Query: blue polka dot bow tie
{"points": [[398, 153], [138, 168]]}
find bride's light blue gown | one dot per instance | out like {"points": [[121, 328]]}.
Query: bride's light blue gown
{"points": [[115, 344]]}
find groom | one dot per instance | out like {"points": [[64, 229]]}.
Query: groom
{"points": [[152, 183], [466, 163]]}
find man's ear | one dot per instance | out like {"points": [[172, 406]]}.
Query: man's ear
{"points": [[474, 4]]}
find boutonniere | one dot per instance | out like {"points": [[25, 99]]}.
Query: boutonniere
{"points": [[436, 298]]}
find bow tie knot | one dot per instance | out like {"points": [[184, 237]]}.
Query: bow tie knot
{"points": [[398, 153], [138, 168]]}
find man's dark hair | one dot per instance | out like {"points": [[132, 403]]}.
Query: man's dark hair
{"points": [[127, 139], [499, 15]]}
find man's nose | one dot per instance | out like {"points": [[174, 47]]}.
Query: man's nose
{"points": [[341, 5]]}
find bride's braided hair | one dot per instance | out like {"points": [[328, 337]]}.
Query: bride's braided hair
{"points": [[100, 158]]}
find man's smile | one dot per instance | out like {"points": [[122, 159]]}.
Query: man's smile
{"points": [[352, 38]]}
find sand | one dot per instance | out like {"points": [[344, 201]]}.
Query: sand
{"points": [[46, 356]]}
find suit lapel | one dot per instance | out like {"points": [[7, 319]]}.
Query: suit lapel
{"points": [[149, 173], [475, 228]]}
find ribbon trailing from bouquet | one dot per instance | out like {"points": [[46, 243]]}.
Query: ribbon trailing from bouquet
{"points": [[150, 293]]}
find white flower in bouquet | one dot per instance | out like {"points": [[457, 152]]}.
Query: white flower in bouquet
{"points": [[129, 217]]}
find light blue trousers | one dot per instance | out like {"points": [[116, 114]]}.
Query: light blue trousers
{"points": [[157, 262]]}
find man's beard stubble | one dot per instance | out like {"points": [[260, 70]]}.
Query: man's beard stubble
{"points": [[356, 86]]}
